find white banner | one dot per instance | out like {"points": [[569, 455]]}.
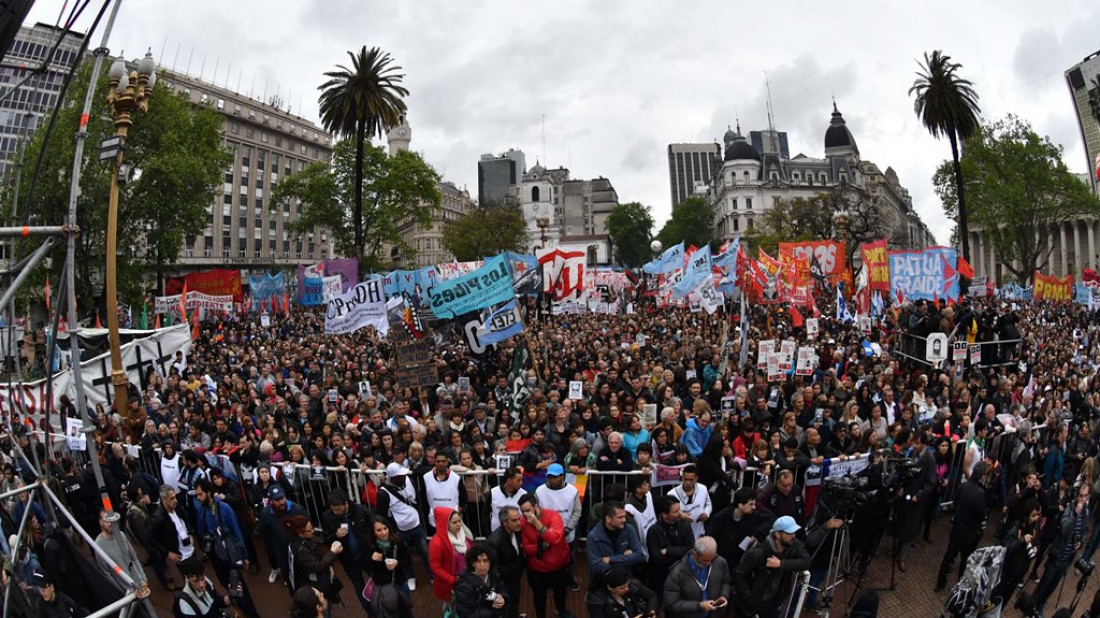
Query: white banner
{"points": [[835, 468], [157, 350], [362, 305], [195, 300]]}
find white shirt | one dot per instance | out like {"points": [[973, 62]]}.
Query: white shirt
{"points": [[565, 501], [181, 532], [645, 519], [694, 505], [170, 470], [404, 515], [497, 501], [440, 493]]}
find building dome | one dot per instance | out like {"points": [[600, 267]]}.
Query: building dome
{"points": [[837, 136], [737, 149]]}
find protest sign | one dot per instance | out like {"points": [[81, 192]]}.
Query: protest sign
{"points": [[487, 286], [576, 389], [361, 306], [928, 274], [1049, 287], [877, 263]]}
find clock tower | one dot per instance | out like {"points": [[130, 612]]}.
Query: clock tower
{"points": [[399, 136]]}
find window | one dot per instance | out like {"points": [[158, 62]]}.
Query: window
{"points": [[221, 104], [534, 197], [237, 109], [775, 202], [737, 225], [748, 203], [733, 203], [745, 175], [235, 128], [748, 223], [228, 197]]}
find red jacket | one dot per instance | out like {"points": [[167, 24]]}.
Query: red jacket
{"points": [[554, 557], [441, 556]]}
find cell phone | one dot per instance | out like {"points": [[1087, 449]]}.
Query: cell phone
{"points": [[720, 603], [235, 590]]}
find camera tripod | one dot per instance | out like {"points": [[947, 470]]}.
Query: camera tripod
{"points": [[1082, 582], [840, 560]]}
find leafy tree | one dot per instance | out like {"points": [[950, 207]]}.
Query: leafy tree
{"points": [[845, 213], [947, 105], [486, 231], [630, 227], [395, 190], [692, 221], [360, 103], [177, 156], [1020, 193]]}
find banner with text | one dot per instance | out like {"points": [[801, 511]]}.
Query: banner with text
{"points": [[1049, 287], [487, 286], [311, 294], [928, 274], [830, 255], [362, 305], [877, 263]]}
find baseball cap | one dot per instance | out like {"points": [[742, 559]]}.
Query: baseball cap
{"points": [[786, 524], [276, 493], [555, 470], [42, 578], [394, 470]]}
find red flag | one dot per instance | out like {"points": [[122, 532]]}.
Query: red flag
{"points": [[796, 318], [183, 303], [901, 297], [48, 295], [936, 300], [156, 324], [964, 268], [195, 327], [97, 323], [948, 274], [286, 305]]}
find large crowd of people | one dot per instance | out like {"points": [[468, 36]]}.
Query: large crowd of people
{"points": [[279, 450]]}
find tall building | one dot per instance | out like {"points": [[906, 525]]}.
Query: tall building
{"points": [[585, 206], [1083, 80], [756, 178], [267, 143], [690, 168], [426, 242], [498, 176], [23, 112]]}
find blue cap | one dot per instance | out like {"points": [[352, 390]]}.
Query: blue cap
{"points": [[276, 493], [555, 470], [786, 524]]}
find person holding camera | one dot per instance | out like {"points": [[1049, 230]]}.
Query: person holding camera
{"points": [[312, 562], [223, 543], [620, 598], [198, 598], [170, 539], [761, 576], [479, 591], [1072, 527], [968, 523]]}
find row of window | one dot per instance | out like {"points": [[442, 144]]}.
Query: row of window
{"points": [[38, 52]]}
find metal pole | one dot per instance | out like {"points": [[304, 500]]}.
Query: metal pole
{"points": [[19, 534], [36, 257], [34, 230], [70, 254], [96, 549], [118, 605]]}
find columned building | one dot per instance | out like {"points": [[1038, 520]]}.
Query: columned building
{"points": [[1075, 245], [1083, 80]]}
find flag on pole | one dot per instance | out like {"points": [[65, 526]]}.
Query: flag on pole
{"points": [[97, 323], [156, 324], [744, 329], [183, 304], [842, 313], [796, 318], [964, 268]]}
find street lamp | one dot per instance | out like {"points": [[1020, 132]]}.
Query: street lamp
{"points": [[543, 223], [129, 92]]}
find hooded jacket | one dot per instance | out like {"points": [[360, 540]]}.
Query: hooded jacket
{"points": [[441, 555], [694, 438]]}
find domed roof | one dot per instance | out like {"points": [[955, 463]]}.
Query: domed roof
{"points": [[837, 136], [737, 149]]}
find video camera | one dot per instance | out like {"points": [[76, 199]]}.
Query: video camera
{"points": [[844, 494]]}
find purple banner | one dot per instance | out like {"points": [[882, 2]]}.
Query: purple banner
{"points": [[347, 268]]}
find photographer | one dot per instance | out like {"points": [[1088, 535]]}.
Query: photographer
{"points": [[1070, 535], [479, 591], [917, 483], [759, 581], [223, 544], [968, 524], [1020, 550]]}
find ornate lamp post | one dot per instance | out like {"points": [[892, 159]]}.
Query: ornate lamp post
{"points": [[543, 223], [128, 93]]}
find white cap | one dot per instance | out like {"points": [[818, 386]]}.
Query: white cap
{"points": [[395, 469]]}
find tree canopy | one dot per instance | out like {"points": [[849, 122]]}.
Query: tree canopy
{"points": [[178, 158], [1019, 191], [844, 213], [486, 231], [630, 227], [396, 189], [692, 221]]}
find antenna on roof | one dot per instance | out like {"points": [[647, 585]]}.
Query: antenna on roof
{"points": [[544, 136], [768, 87]]}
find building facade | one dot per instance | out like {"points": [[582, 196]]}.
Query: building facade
{"points": [[690, 168], [753, 180], [23, 112], [1083, 80], [498, 176], [267, 143], [426, 242]]}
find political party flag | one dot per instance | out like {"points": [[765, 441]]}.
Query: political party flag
{"points": [[696, 272], [796, 318], [964, 268], [670, 260], [842, 313]]}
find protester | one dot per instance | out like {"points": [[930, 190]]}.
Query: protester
{"points": [[699, 584], [479, 591], [760, 578], [547, 554], [511, 562]]}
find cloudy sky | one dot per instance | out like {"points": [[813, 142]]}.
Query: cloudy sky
{"points": [[617, 81]]}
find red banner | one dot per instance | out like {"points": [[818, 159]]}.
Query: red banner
{"points": [[1053, 288], [877, 263], [829, 254], [221, 282]]}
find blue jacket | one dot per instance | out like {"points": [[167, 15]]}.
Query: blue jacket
{"points": [[1053, 466], [695, 439], [220, 514], [599, 546]]}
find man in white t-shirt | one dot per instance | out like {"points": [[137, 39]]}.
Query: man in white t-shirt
{"points": [[695, 505], [507, 493], [443, 488]]}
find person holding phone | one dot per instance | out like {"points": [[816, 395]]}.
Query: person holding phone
{"points": [[698, 585]]}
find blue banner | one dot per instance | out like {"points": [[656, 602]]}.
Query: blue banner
{"points": [[526, 274], [487, 286], [500, 323], [1082, 294], [266, 288], [312, 292], [697, 271], [670, 260], [929, 274]]}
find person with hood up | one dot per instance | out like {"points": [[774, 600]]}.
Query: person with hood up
{"points": [[447, 551]]}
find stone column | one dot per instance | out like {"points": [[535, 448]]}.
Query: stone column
{"points": [[1089, 226], [1064, 253], [976, 252], [992, 272]]}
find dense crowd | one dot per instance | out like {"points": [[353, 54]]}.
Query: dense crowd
{"points": [[282, 450]]}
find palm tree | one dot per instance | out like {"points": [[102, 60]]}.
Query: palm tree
{"points": [[362, 102], [947, 105]]}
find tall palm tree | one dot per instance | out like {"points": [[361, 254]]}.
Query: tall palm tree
{"points": [[360, 103], [947, 105]]}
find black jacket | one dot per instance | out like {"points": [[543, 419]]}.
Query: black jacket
{"points": [[970, 509], [163, 538], [509, 562], [358, 519], [675, 539], [471, 596], [755, 585], [729, 533], [313, 566]]}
